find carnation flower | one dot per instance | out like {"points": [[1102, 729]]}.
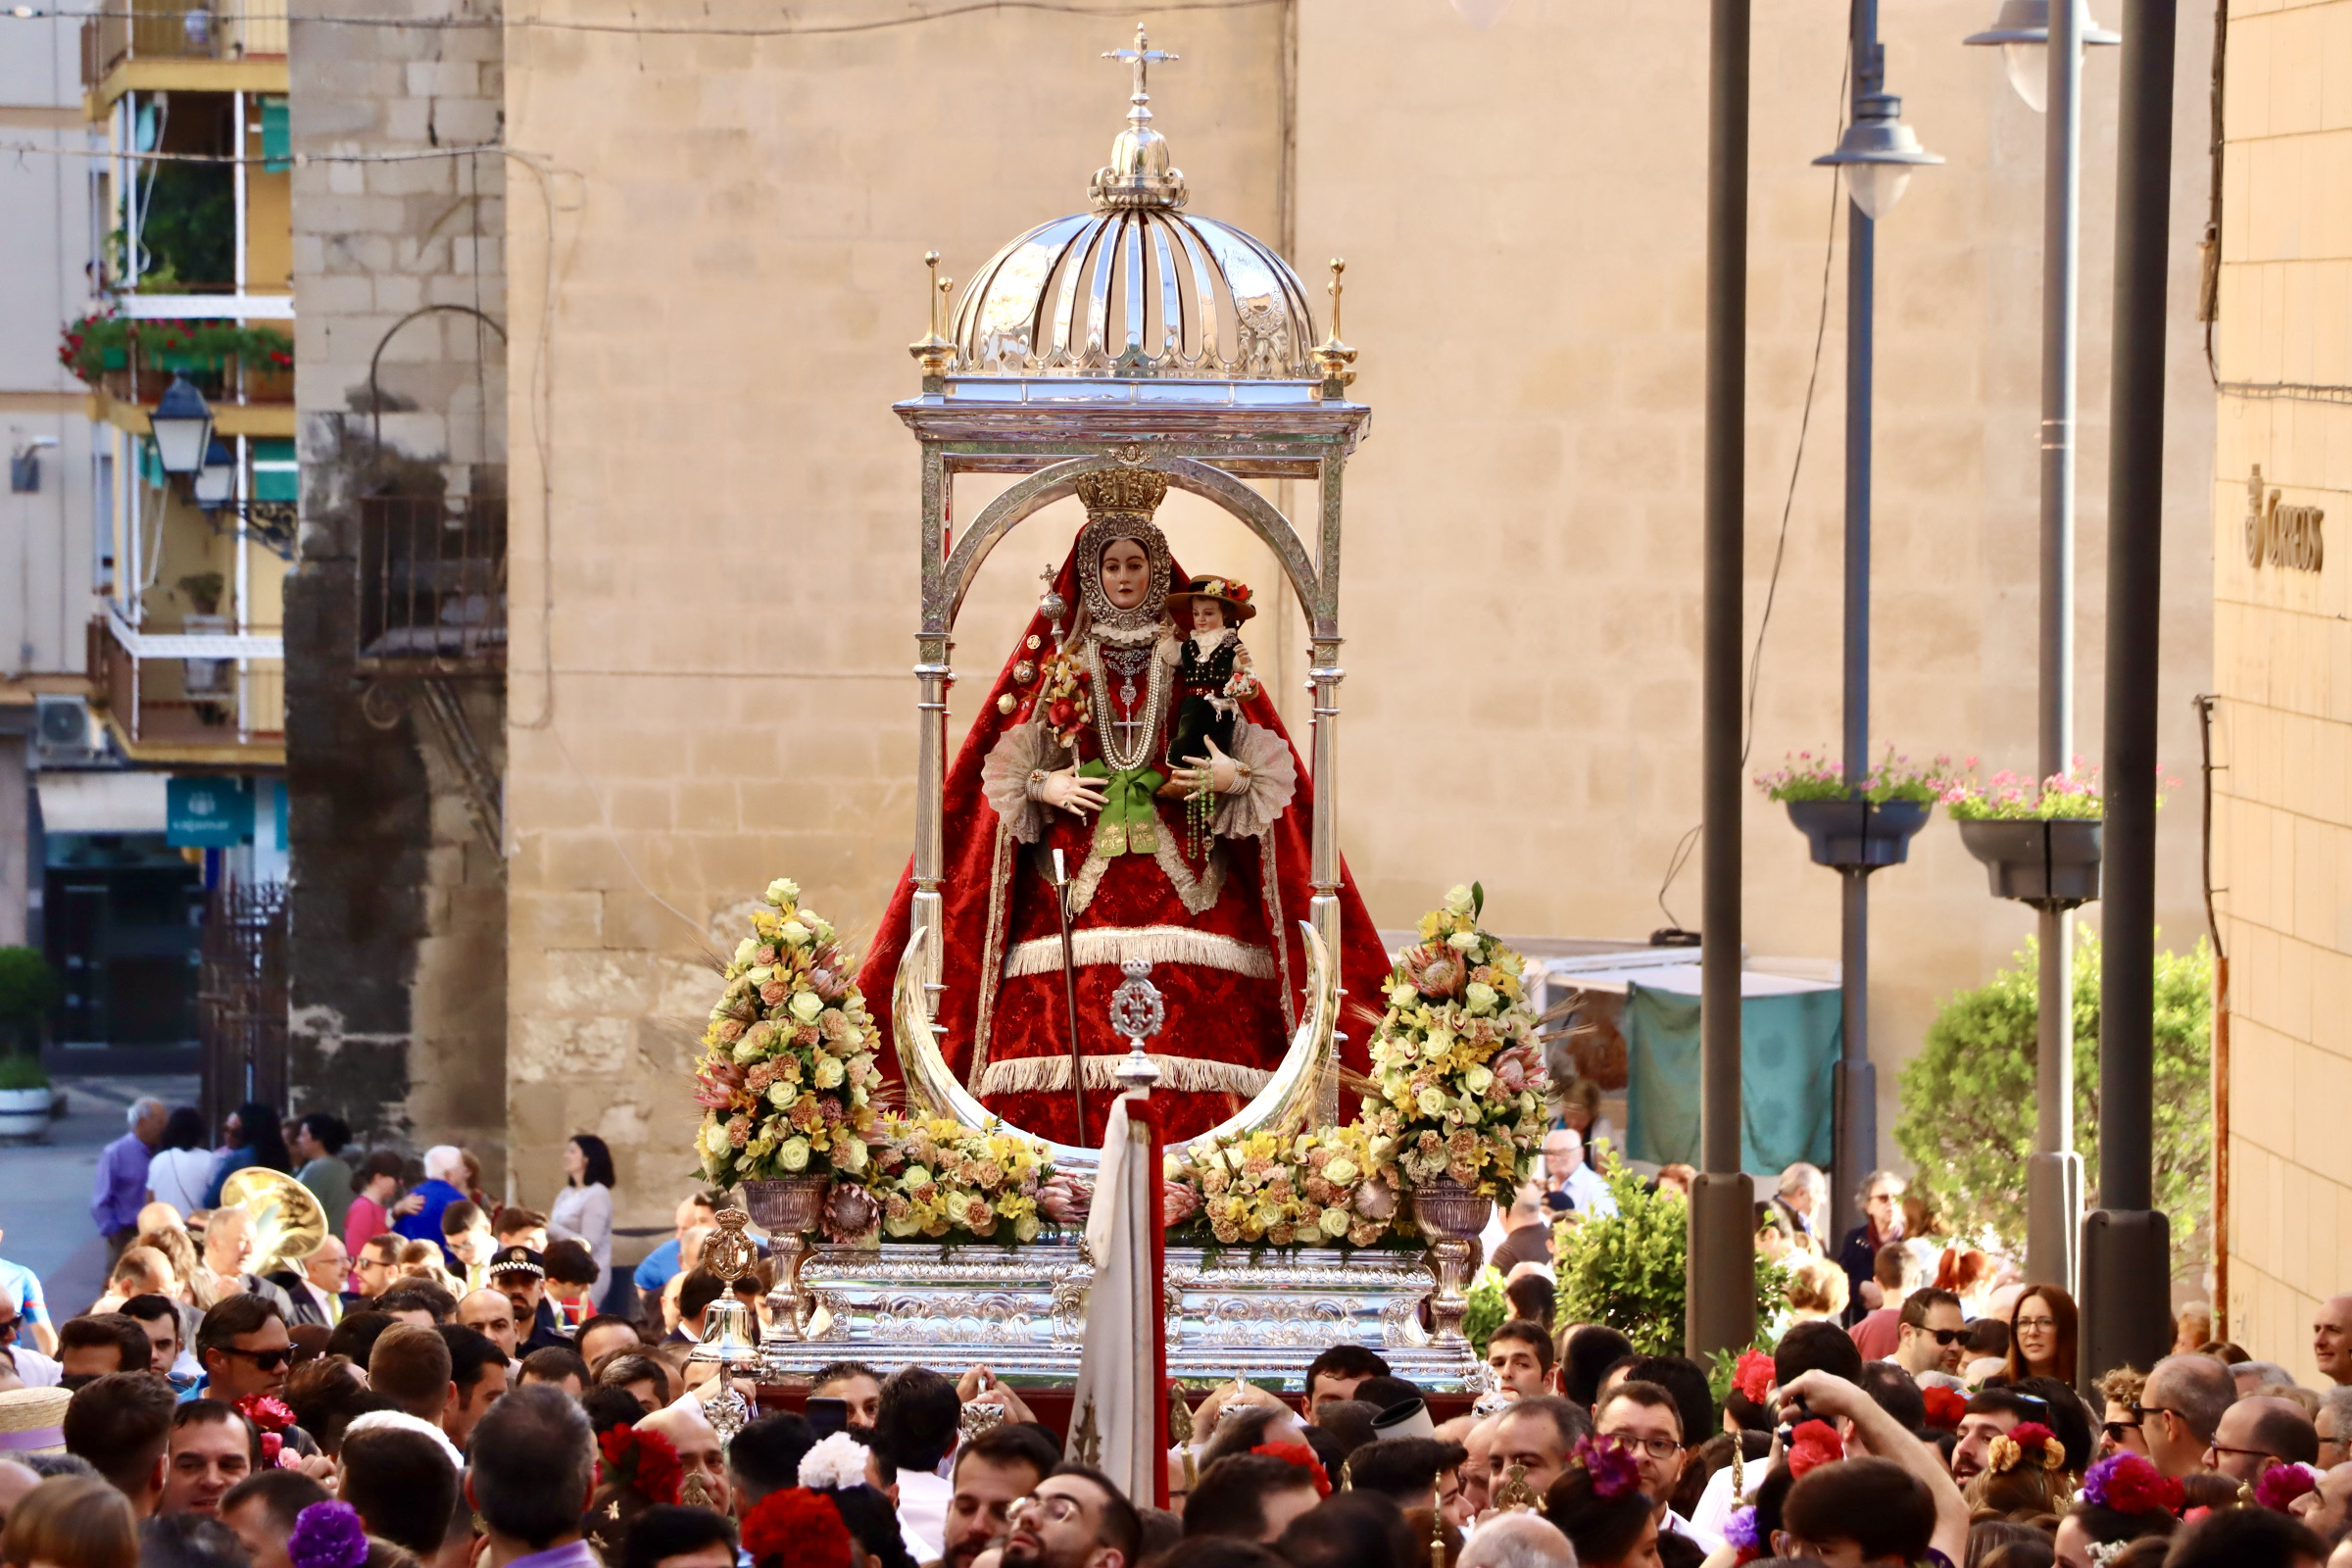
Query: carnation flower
{"points": [[1813, 1442], [2283, 1484], [799, 1527], [1739, 1530], [1754, 1375], [839, 1460], [2128, 1484], [1610, 1464], [328, 1534], [1299, 1456]]}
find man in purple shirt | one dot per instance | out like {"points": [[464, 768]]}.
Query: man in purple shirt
{"points": [[121, 1190], [533, 1475]]}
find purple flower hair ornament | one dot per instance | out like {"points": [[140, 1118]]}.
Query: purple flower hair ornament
{"points": [[328, 1534], [1739, 1530], [1610, 1464]]}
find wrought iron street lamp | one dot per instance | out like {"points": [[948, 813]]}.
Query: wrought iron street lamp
{"points": [[182, 428]]}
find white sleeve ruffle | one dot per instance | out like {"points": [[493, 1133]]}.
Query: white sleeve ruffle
{"points": [[1004, 772], [1273, 781]]}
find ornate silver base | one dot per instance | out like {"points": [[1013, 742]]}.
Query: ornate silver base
{"points": [[1022, 1310]]}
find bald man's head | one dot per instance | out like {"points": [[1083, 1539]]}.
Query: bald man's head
{"points": [[1520, 1540], [690, 1432]]}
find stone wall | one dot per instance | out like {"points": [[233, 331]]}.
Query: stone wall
{"points": [[2282, 664], [734, 263], [398, 921]]}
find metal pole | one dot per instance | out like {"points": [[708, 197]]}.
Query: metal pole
{"points": [[1719, 1309], [2126, 1244], [2054, 1173], [1855, 1101]]}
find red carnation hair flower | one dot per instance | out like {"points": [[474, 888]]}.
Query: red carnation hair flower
{"points": [[1946, 1407], [798, 1527], [644, 1462], [2282, 1484], [1752, 1376], [265, 1411], [1813, 1442], [2129, 1484], [1299, 1454]]}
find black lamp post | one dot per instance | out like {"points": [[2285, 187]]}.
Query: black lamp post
{"points": [[1875, 157], [182, 430]]}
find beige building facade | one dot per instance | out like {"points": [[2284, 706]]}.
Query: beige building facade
{"points": [[2283, 665], [715, 264]]}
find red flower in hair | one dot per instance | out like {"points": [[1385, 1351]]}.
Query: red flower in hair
{"points": [[2282, 1484], [2031, 1434], [1752, 1376], [1946, 1407], [644, 1462], [799, 1527], [1813, 1442], [2129, 1484], [1299, 1454]]}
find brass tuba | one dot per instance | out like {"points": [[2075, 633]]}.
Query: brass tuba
{"points": [[288, 1225]]}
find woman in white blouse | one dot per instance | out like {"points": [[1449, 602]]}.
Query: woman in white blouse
{"points": [[583, 1210]]}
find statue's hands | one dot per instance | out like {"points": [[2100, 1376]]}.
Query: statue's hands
{"points": [[1063, 790], [1217, 770]]}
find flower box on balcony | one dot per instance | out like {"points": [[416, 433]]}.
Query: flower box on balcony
{"points": [[1859, 834]]}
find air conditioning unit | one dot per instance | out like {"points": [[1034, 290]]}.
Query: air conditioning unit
{"points": [[63, 735]]}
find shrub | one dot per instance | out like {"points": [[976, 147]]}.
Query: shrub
{"points": [[1967, 1121], [1629, 1270]]}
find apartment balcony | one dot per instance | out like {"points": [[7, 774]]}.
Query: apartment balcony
{"points": [[204, 693], [187, 43], [432, 585]]}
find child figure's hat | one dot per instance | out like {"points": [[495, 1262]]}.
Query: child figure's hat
{"points": [[1234, 596]]}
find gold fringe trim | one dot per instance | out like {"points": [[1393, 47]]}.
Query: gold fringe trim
{"points": [[1154, 943], [1045, 1075]]}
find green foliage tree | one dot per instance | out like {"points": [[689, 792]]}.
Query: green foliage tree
{"points": [[29, 989], [1967, 1122], [1630, 1269]]}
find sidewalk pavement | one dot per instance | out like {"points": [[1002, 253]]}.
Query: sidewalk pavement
{"points": [[45, 1187]]}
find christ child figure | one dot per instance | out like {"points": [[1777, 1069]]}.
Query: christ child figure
{"points": [[1213, 674]]}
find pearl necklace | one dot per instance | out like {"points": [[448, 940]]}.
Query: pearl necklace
{"points": [[1142, 733]]}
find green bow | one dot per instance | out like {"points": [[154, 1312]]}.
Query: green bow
{"points": [[1129, 819]]}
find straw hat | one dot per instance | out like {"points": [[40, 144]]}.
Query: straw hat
{"points": [[33, 1420]]}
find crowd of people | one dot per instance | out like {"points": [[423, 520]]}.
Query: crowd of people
{"points": [[387, 1409]]}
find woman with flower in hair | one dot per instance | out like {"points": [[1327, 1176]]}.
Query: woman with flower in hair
{"points": [[834, 1518], [2024, 1477], [2124, 1499], [1599, 1504]]}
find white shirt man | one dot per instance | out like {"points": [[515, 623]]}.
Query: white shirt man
{"points": [[1565, 1171]]}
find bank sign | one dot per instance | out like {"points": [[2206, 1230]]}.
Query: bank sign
{"points": [[207, 813]]}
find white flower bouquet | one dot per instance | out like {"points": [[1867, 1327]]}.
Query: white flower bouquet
{"points": [[787, 1071], [1459, 1073]]}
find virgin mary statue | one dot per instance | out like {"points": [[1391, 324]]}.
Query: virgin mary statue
{"points": [[1198, 864]]}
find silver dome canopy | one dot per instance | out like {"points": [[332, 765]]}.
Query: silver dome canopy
{"points": [[1136, 288]]}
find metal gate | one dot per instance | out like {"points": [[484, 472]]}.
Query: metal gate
{"points": [[241, 999]]}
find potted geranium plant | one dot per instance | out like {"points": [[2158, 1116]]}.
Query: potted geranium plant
{"points": [[1859, 823], [2039, 842]]}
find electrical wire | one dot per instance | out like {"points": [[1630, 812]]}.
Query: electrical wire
{"points": [[1780, 549]]}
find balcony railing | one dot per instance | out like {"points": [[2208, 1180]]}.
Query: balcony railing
{"points": [[432, 584], [180, 30], [191, 688]]}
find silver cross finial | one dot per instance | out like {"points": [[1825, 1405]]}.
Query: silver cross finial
{"points": [[1142, 57]]}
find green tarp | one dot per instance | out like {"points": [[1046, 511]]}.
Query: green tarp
{"points": [[1788, 1048]]}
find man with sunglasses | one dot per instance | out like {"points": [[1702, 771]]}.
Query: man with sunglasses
{"points": [[244, 1349], [1933, 1333]]}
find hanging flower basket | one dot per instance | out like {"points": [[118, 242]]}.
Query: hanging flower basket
{"points": [[1859, 834], [2049, 862]]}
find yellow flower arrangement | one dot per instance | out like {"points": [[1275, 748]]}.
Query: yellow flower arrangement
{"points": [[939, 1179], [787, 1071], [1285, 1186], [1459, 1069]]}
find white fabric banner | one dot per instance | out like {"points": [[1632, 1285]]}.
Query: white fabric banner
{"points": [[1116, 1401]]}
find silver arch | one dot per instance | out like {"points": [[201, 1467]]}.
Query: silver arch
{"points": [[1048, 485]]}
